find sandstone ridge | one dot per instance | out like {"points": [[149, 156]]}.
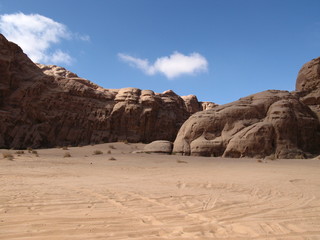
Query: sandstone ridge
{"points": [[46, 106], [273, 124]]}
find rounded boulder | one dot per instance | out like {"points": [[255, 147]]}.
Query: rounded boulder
{"points": [[160, 146]]}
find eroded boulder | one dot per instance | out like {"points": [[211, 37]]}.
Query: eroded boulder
{"points": [[309, 76], [159, 146], [267, 123]]}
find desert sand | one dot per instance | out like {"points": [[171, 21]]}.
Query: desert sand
{"points": [[124, 195]]}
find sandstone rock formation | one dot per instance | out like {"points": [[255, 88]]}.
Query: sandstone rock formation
{"points": [[46, 106], [193, 105], [271, 123], [309, 76], [278, 124], [308, 84], [159, 146]]}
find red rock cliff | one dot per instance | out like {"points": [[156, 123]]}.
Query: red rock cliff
{"points": [[46, 106]]}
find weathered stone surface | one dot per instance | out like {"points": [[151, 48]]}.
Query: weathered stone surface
{"points": [[193, 105], [208, 105], [46, 106], [56, 71], [309, 76], [267, 123], [159, 146], [308, 85], [272, 123]]}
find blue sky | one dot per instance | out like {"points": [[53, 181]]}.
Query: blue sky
{"points": [[219, 50]]}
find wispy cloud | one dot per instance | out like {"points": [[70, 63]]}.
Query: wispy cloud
{"points": [[85, 38], [171, 66], [37, 35], [59, 57]]}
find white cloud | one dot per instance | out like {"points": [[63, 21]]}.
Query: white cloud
{"points": [[172, 66], [36, 35], [142, 64], [61, 57], [85, 38]]}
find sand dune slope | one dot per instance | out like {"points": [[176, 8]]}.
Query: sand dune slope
{"points": [[144, 196]]}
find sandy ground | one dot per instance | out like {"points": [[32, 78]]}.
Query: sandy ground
{"points": [[144, 196]]}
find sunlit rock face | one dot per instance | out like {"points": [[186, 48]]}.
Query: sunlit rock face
{"points": [[271, 123], [309, 76], [308, 84], [47, 105]]}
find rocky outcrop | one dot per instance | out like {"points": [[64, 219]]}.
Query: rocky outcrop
{"points": [[159, 146], [193, 105], [208, 105], [308, 85], [46, 106], [271, 123], [309, 76]]}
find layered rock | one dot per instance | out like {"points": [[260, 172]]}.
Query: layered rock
{"points": [[271, 123], [46, 106]]}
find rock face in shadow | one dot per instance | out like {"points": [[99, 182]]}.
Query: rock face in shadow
{"points": [[271, 123], [46, 106]]}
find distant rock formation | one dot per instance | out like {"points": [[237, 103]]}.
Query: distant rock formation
{"points": [[193, 105], [278, 124], [46, 106]]}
